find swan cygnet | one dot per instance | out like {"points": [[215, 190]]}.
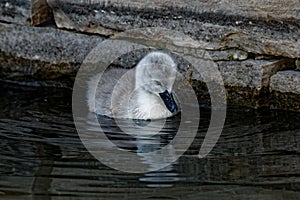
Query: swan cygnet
{"points": [[144, 92]]}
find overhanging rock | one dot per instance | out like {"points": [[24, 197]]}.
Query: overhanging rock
{"points": [[259, 27]]}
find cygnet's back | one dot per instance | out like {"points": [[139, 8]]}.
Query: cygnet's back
{"points": [[144, 92]]}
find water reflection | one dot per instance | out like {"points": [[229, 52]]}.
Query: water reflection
{"points": [[143, 139], [146, 146], [257, 156]]}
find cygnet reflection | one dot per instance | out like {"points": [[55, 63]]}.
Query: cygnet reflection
{"points": [[144, 146]]}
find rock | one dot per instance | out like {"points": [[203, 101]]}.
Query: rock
{"points": [[267, 11], [76, 22], [253, 74], [48, 55], [247, 82], [254, 26], [285, 90], [26, 12], [42, 54], [286, 81]]}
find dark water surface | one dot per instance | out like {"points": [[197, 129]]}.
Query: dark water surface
{"points": [[257, 156]]}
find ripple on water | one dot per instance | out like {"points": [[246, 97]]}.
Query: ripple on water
{"points": [[257, 155]]}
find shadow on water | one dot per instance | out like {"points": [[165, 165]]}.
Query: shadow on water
{"points": [[257, 156]]}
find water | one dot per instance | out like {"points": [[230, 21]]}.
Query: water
{"points": [[257, 156]]}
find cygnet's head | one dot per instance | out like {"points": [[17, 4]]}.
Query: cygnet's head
{"points": [[156, 74]]}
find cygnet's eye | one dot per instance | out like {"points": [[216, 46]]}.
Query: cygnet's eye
{"points": [[157, 82]]}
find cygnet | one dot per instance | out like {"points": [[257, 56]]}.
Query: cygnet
{"points": [[144, 92]]}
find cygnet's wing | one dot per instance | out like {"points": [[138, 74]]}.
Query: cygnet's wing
{"points": [[100, 90], [122, 94]]}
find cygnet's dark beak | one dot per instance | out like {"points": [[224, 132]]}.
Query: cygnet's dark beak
{"points": [[169, 101]]}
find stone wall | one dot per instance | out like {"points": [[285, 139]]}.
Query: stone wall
{"points": [[255, 44]]}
